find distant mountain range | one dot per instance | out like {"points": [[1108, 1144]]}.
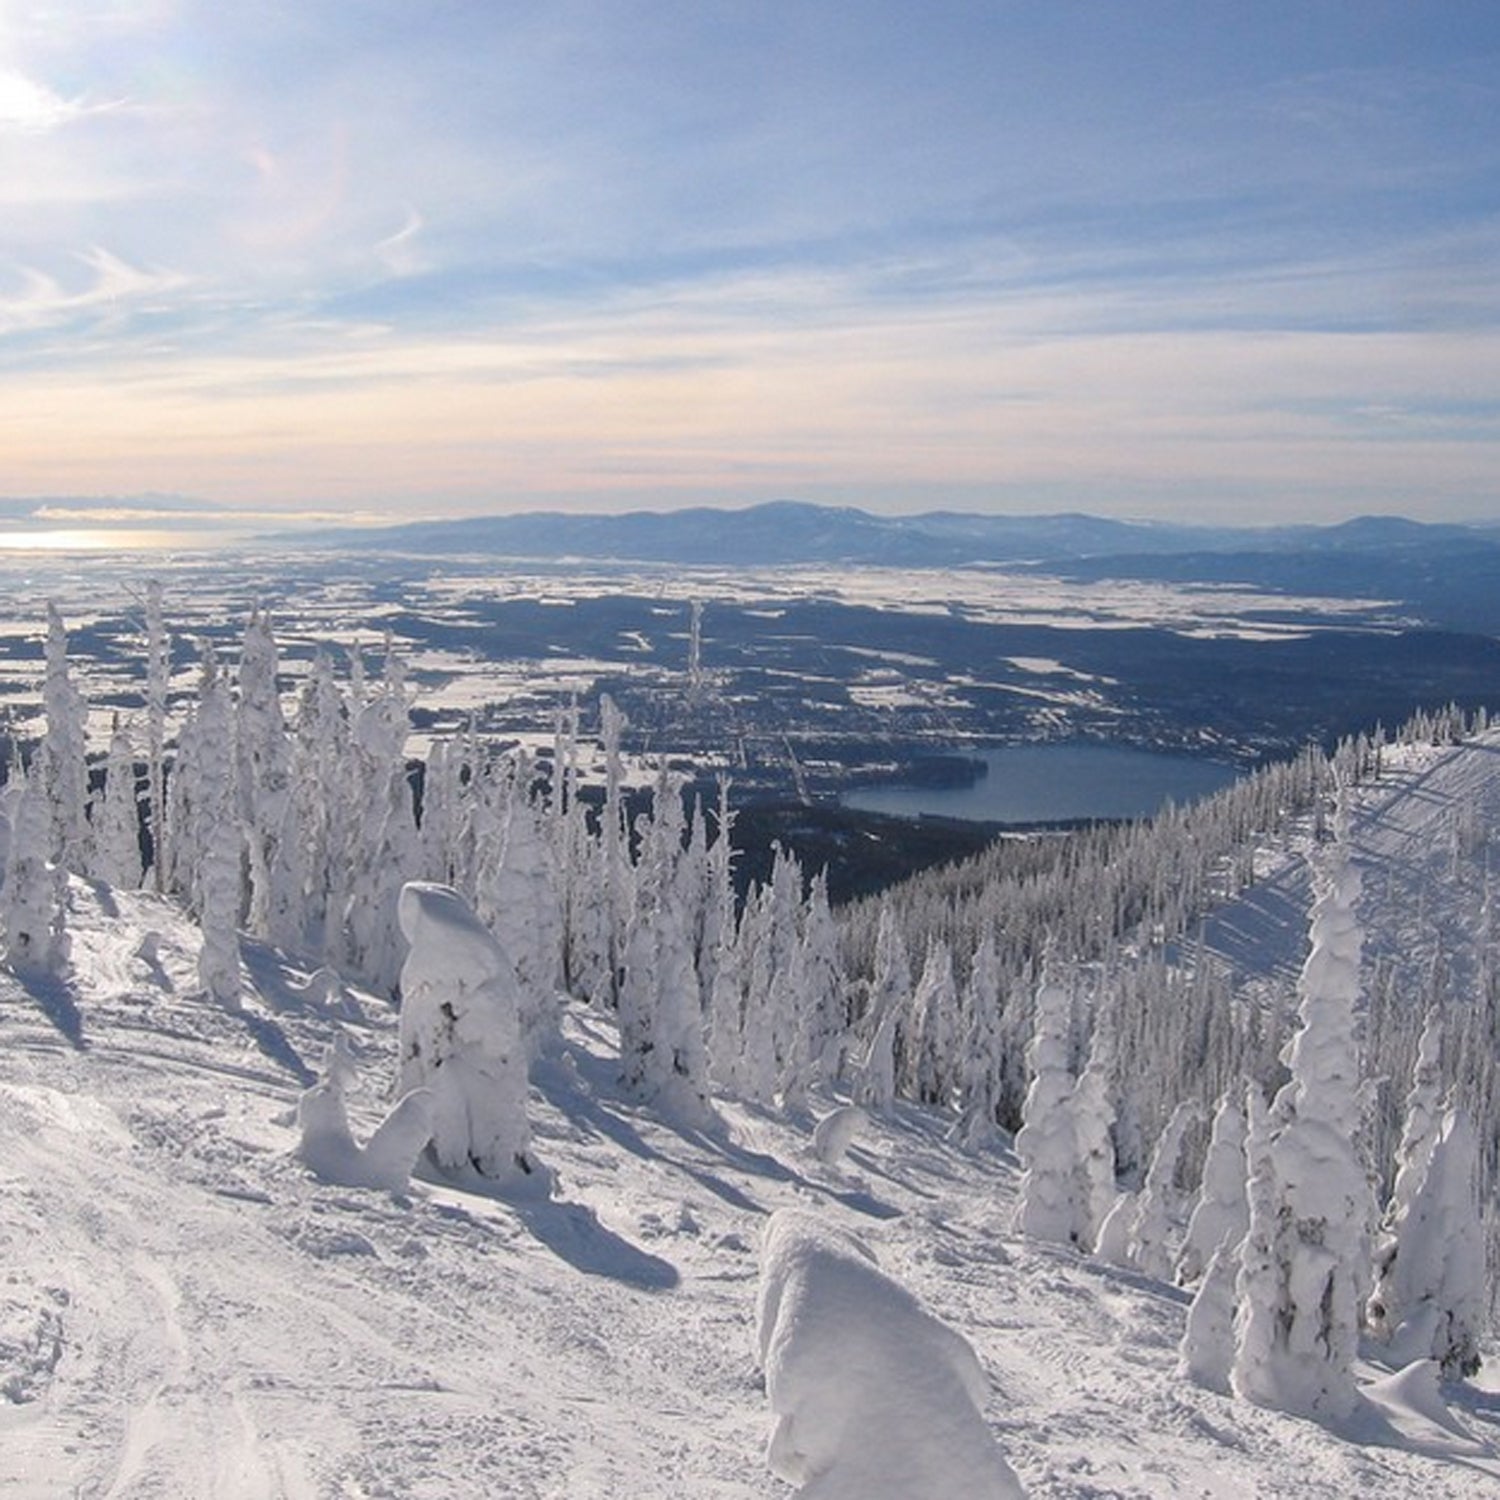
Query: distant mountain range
{"points": [[783, 532]]}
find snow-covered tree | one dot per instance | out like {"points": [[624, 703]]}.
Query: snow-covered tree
{"points": [[158, 679], [62, 760], [460, 1037], [1091, 1108], [517, 898], [662, 1047], [934, 1022], [219, 885], [1206, 1353], [263, 756], [1429, 1297], [1046, 1144], [1155, 1212], [887, 1001], [978, 1062], [33, 900], [117, 838], [1305, 1266], [1221, 1212]]}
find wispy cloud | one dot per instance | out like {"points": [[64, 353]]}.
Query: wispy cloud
{"points": [[462, 254], [110, 289]]}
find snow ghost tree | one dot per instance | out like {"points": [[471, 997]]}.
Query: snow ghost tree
{"points": [[1221, 1212], [1154, 1209], [460, 1037], [1429, 1300], [1048, 1208], [1305, 1266], [61, 764], [219, 957], [33, 900], [117, 842], [889, 996], [1092, 1110], [1206, 1353]]}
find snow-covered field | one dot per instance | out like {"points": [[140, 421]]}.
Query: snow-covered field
{"points": [[185, 1311]]}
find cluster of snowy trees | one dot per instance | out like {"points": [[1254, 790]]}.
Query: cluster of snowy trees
{"points": [[1283, 1244], [1040, 986], [302, 829]]}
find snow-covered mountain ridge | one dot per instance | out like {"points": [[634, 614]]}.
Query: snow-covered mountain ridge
{"points": [[185, 1311]]}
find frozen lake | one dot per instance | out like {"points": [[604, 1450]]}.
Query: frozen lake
{"points": [[1051, 782]]}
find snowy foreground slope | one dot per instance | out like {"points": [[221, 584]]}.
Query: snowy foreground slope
{"points": [[185, 1312]]}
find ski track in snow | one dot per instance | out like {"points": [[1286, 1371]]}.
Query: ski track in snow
{"points": [[185, 1312]]}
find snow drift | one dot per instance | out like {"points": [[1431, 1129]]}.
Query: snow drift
{"points": [[873, 1397]]}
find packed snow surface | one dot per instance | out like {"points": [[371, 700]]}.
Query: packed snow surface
{"points": [[187, 1310]]}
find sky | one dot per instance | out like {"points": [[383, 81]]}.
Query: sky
{"points": [[272, 263]]}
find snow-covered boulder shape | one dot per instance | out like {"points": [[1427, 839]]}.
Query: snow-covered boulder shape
{"points": [[835, 1132], [873, 1397], [328, 1146], [460, 1037]]}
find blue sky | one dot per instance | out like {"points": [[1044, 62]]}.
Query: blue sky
{"points": [[1231, 262]]}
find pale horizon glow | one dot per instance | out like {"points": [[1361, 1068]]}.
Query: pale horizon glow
{"points": [[388, 262]]}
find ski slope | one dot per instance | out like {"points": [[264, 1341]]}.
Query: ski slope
{"points": [[185, 1311]]}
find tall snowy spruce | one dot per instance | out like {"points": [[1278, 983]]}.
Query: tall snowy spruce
{"points": [[1221, 1214], [1048, 1207], [460, 1038], [117, 838], [888, 996], [1304, 1270], [61, 763], [33, 899], [1429, 1300]]}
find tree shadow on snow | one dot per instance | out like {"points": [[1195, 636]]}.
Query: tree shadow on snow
{"points": [[274, 1042], [55, 998], [573, 1233]]}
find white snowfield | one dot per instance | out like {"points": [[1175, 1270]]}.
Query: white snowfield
{"points": [[186, 1310]]}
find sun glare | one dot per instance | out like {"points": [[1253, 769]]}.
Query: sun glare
{"points": [[81, 539]]}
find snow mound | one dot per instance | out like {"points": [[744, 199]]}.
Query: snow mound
{"points": [[328, 1146], [835, 1132], [873, 1397]]}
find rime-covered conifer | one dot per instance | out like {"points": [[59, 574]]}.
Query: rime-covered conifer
{"points": [[1206, 1353], [1305, 1267], [33, 900], [934, 1017], [1221, 1212], [1047, 1208], [1091, 1107], [262, 765], [158, 682], [1429, 1297], [887, 1002], [117, 838], [219, 885], [978, 1061], [1151, 1229], [62, 759], [460, 1038]]}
